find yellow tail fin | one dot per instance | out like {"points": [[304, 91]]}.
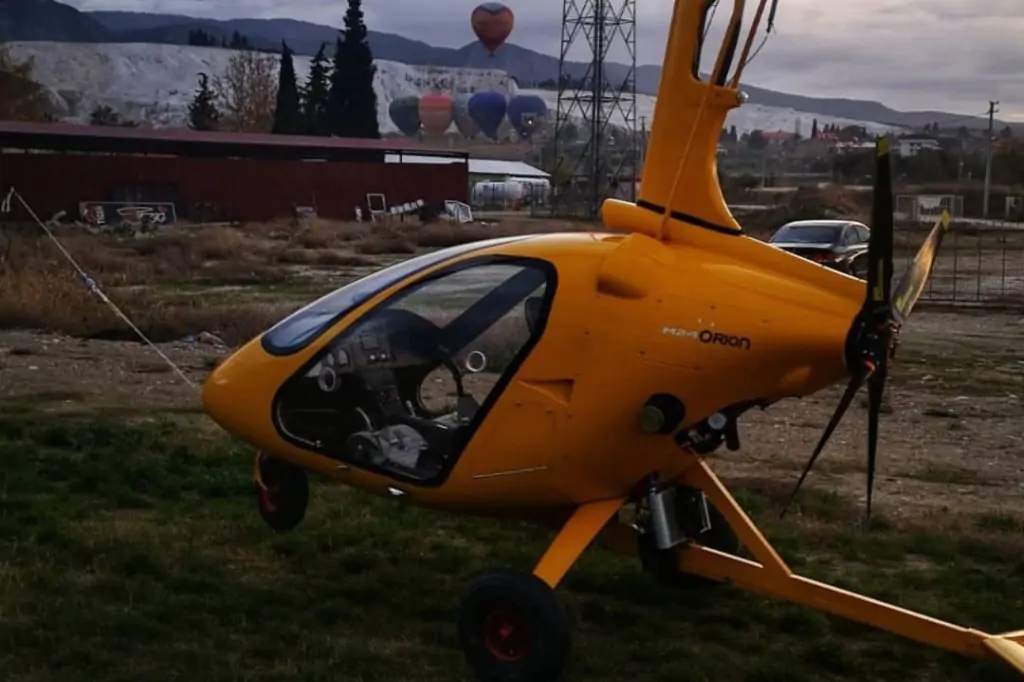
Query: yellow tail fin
{"points": [[680, 178]]}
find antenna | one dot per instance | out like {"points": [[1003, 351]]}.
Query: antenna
{"points": [[595, 122]]}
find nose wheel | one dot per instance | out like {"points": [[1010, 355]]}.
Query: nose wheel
{"points": [[513, 628], [283, 499]]}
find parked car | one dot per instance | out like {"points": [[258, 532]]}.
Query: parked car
{"points": [[838, 244]]}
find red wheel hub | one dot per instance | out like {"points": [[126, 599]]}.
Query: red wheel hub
{"points": [[270, 498], [506, 633]]}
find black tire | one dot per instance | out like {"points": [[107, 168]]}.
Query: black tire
{"points": [[513, 628], [661, 563], [283, 504]]}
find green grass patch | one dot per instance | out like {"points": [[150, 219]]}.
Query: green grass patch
{"points": [[132, 551]]}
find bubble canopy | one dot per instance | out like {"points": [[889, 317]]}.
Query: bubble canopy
{"points": [[304, 326]]}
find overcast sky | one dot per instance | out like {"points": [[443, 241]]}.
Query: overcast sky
{"points": [[909, 54]]}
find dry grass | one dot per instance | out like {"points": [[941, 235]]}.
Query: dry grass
{"points": [[159, 280]]}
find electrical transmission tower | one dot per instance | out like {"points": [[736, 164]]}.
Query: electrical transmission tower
{"points": [[595, 122]]}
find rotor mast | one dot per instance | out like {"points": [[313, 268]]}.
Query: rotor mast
{"points": [[680, 178]]}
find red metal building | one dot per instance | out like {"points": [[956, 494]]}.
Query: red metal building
{"points": [[213, 176]]}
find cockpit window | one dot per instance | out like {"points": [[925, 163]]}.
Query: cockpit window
{"points": [[402, 389], [302, 327]]}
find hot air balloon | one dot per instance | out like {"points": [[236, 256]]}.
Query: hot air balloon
{"points": [[487, 109], [492, 22], [463, 121], [405, 114], [526, 114], [436, 113]]}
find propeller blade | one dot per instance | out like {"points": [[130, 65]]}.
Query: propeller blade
{"points": [[910, 287], [876, 389], [871, 334], [844, 404], [880, 246]]}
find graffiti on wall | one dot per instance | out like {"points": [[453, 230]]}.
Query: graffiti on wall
{"points": [[112, 214]]}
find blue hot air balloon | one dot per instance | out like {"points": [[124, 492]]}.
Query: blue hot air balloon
{"points": [[526, 114], [487, 109]]}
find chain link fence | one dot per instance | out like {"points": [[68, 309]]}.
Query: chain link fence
{"points": [[980, 262]]}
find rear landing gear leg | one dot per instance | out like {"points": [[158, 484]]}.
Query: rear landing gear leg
{"points": [[512, 626], [282, 493]]}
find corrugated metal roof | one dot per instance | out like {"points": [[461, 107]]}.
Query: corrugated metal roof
{"points": [[12, 130], [519, 169], [495, 167]]}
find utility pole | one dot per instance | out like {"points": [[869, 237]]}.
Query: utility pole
{"points": [[988, 156]]}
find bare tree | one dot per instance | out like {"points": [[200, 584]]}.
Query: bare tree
{"points": [[21, 98], [247, 92]]}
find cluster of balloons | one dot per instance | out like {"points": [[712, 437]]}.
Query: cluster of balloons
{"points": [[483, 113]]}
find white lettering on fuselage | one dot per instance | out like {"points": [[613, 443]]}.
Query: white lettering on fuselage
{"points": [[682, 333], [707, 336]]}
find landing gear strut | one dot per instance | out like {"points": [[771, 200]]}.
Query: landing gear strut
{"points": [[282, 499], [719, 536]]}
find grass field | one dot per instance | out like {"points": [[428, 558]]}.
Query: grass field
{"points": [[130, 548]]}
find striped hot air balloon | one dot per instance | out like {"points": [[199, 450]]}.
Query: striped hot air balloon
{"points": [[405, 114], [436, 113], [492, 22]]}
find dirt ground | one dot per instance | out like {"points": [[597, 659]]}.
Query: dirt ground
{"points": [[951, 440]]}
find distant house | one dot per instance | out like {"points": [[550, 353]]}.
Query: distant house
{"points": [[778, 136], [816, 147], [911, 145]]}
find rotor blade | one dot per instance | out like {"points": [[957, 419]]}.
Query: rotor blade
{"points": [[910, 287], [880, 246], [876, 389], [844, 403]]}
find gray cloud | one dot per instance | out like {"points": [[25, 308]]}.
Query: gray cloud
{"points": [[909, 54]]}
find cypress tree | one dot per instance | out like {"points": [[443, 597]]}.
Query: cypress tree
{"points": [[352, 104], [338, 95], [287, 114], [202, 112], [315, 95]]}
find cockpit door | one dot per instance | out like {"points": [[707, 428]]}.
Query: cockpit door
{"points": [[404, 389]]}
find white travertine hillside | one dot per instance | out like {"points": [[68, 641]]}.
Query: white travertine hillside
{"points": [[746, 118], [154, 84]]}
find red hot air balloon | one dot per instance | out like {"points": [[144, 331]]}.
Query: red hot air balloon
{"points": [[492, 22], [436, 113]]}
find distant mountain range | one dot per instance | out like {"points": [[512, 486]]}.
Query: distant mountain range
{"points": [[50, 20]]}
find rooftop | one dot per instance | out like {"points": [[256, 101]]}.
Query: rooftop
{"points": [[84, 138], [518, 169], [825, 222]]}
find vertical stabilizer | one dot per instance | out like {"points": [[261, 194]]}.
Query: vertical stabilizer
{"points": [[680, 175]]}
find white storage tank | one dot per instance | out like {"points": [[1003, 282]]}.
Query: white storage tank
{"points": [[497, 193]]}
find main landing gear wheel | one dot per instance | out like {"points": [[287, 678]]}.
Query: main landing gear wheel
{"points": [[513, 628], [283, 504], [661, 563]]}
